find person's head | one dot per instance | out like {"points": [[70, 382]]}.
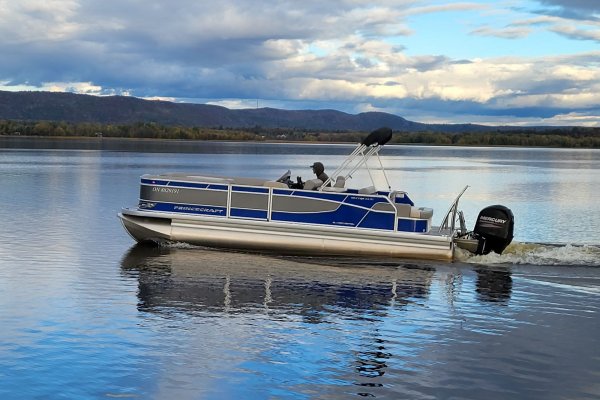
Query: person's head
{"points": [[318, 168]]}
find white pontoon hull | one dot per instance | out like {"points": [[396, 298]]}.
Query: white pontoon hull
{"points": [[289, 238]]}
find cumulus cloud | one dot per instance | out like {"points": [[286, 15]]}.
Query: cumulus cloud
{"points": [[345, 54]]}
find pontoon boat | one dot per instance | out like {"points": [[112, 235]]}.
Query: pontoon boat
{"points": [[309, 218]]}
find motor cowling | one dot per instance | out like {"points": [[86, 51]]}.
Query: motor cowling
{"points": [[494, 229]]}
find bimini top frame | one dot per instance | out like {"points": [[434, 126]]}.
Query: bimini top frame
{"points": [[367, 148]]}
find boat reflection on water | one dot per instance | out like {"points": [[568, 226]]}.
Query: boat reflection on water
{"points": [[330, 294], [367, 325], [224, 281], [195, 278]]}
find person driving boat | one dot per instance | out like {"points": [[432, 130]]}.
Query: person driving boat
{"points": [[319, 171]]}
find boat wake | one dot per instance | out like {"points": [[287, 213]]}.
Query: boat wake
{"points": [[538, 254]]}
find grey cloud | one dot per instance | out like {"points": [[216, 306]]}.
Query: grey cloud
{"points": [[582, 59], [428, 63], [582, 5], [139, 46], [577, 34], [459, 62], [469, 108], [363, 62], [554, 86], [583, 10], [388, 83]]}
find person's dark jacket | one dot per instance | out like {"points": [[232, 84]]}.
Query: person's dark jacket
{"points": [[319, 171]]}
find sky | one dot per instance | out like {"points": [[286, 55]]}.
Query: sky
{"points": [[531, 62]]}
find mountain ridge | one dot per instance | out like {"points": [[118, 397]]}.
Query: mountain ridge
{"points": [[82, 108]]}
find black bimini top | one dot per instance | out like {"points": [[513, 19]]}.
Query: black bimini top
{"points": [[378, 137]]}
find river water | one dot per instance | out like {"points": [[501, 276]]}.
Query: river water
{"points": [[85, 313]]}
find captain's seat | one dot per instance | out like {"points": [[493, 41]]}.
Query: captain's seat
{"points": [[340, 182], [312, 184], [339, 186]]}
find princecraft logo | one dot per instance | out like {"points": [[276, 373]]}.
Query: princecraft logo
{"points": [[198, 209], [492, 219]]}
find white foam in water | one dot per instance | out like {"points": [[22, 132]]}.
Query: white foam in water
{"points": [[180, 245], [539, 254], [515, 253]]}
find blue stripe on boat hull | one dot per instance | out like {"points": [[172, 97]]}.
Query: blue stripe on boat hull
{"points": [[245, 213], [344, 216]]}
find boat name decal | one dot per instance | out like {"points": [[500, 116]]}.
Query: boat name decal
{"points": [[359, 198], [165, 190], [492, 219], [198, 209]]}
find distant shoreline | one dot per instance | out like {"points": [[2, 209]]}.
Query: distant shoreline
{"points": [[585, 139], [128, 143]]}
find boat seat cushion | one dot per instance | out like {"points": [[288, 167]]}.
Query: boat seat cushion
{"points": [[367, 190], [312, 184], [421, 212], [403, 210], [334, 189], [340, 182]]}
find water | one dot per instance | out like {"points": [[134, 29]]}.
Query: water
{"points": [[86, 314]]}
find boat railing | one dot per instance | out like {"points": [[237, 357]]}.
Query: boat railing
{"points": [[389, 198], [367, 148], [392, 199], [449, 221]]}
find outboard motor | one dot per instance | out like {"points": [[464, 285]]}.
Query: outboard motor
{"points": [[494, 229]]}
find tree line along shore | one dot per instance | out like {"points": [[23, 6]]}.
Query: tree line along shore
{"points": [[571, 137]]}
